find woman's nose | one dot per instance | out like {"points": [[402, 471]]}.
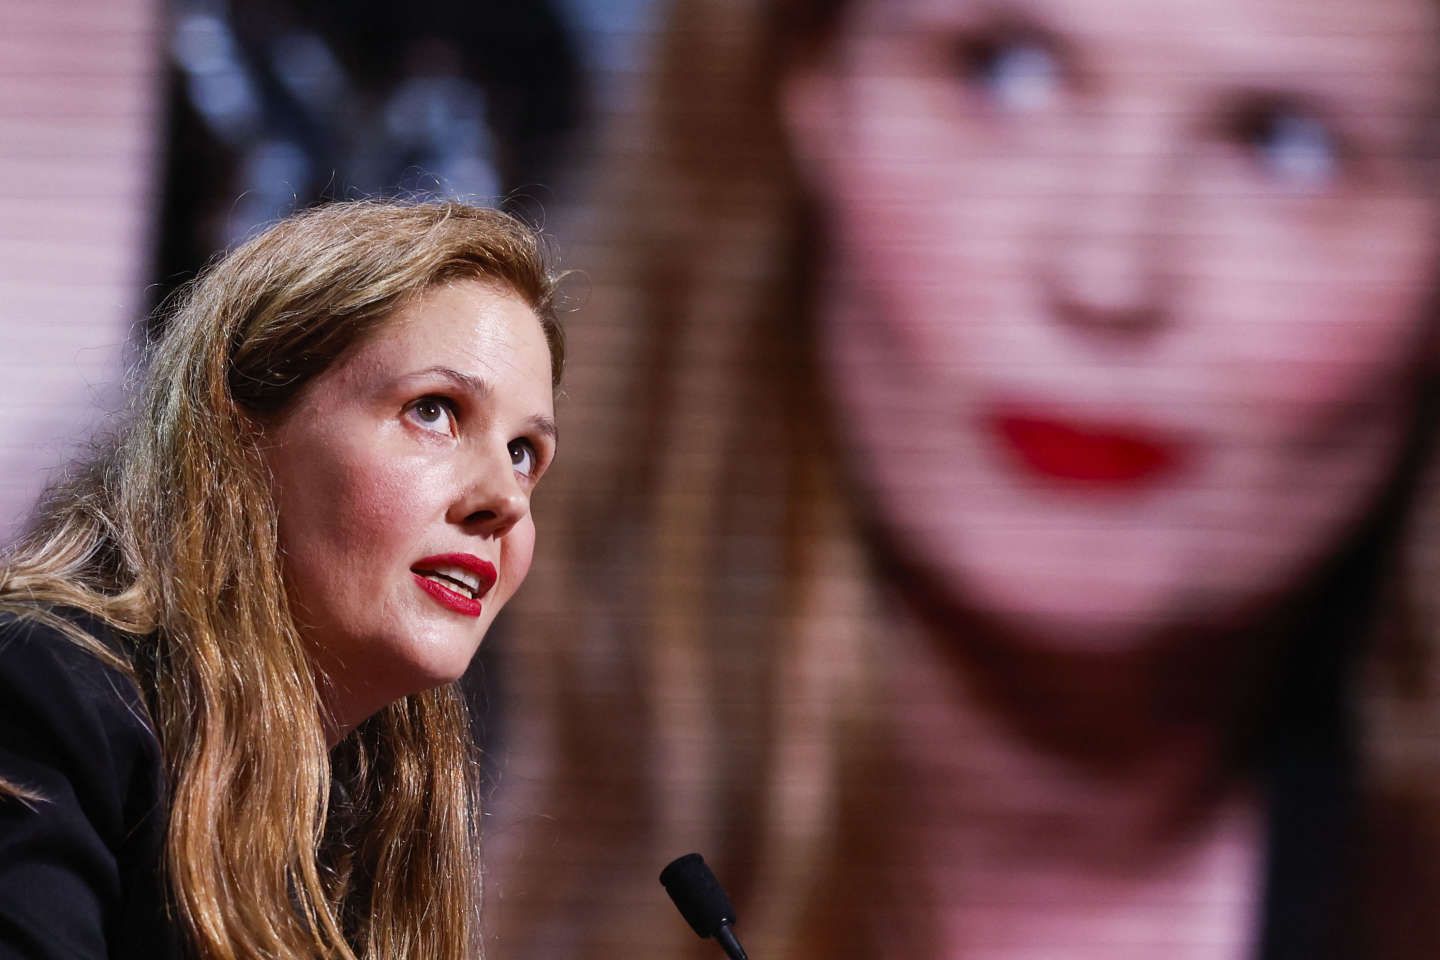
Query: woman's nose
{"points": [[1109, 251], [493, 498]]}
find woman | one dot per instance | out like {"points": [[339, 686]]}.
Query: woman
{"points": [[231, 643], [1037, 397]]}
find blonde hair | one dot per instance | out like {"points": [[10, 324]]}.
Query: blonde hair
{"points": [[169, 535], [716, 689]]}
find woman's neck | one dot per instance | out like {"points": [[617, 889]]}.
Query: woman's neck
{"points": [[1072, 828], [1132, 744], [1036, 787]]}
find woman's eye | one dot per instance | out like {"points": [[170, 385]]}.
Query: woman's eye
{"points": [[433, 413], [523, 457], [1292, 146], [1016, 74]]}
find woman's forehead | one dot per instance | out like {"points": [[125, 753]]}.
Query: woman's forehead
{"points": [[479, 329]]}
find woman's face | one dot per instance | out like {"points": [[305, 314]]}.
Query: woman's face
{"points": [[403, 477], [1127, 298]]}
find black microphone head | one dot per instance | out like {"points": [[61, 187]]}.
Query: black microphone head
{"points": [[697, 894]]}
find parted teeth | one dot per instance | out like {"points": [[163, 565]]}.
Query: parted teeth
{"points": [[460, 575]]}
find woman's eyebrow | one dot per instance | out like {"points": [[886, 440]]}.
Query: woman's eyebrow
{"points": [[545, 426], [541, 424], [464, 381]]}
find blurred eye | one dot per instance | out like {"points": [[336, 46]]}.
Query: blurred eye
{"points": [[1015, 73], [523, 457], [1291, 144], [433, 413]]}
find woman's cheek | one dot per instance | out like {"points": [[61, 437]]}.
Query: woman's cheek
{"points": [[517, 552], [1321, 324]]}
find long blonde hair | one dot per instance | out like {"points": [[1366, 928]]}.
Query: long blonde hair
{"points": [[169, 535], [710, 680]]}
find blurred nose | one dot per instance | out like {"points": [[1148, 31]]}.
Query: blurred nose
{"points": [[493, 499], [1109, 251]]}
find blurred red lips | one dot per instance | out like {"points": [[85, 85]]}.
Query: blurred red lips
{"points": [[1096, 453]]}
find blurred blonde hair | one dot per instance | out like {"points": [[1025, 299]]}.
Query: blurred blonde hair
{"points": [[169, 535], [707, 679]]}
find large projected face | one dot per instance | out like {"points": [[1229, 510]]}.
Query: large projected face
{"points": [[1127, 300]]}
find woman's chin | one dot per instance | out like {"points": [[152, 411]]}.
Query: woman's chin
{"points": [[436, 668], [1090, 611], [1091, 629]]}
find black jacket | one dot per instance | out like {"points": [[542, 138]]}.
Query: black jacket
{"points": [[80, 871]]}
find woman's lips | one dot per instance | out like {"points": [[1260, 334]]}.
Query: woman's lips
{"points": [[1096, 453], [450, 598], [456, 580]]}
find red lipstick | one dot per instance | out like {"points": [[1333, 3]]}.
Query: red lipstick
{"points": [[1090, 452], [456, 581]]}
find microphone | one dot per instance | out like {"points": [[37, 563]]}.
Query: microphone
{"points": [[702, 902]]}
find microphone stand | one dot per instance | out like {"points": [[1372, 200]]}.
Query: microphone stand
{"points": [[726, 938]]}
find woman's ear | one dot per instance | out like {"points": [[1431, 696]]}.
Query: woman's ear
{"points": [[812, 111]]}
